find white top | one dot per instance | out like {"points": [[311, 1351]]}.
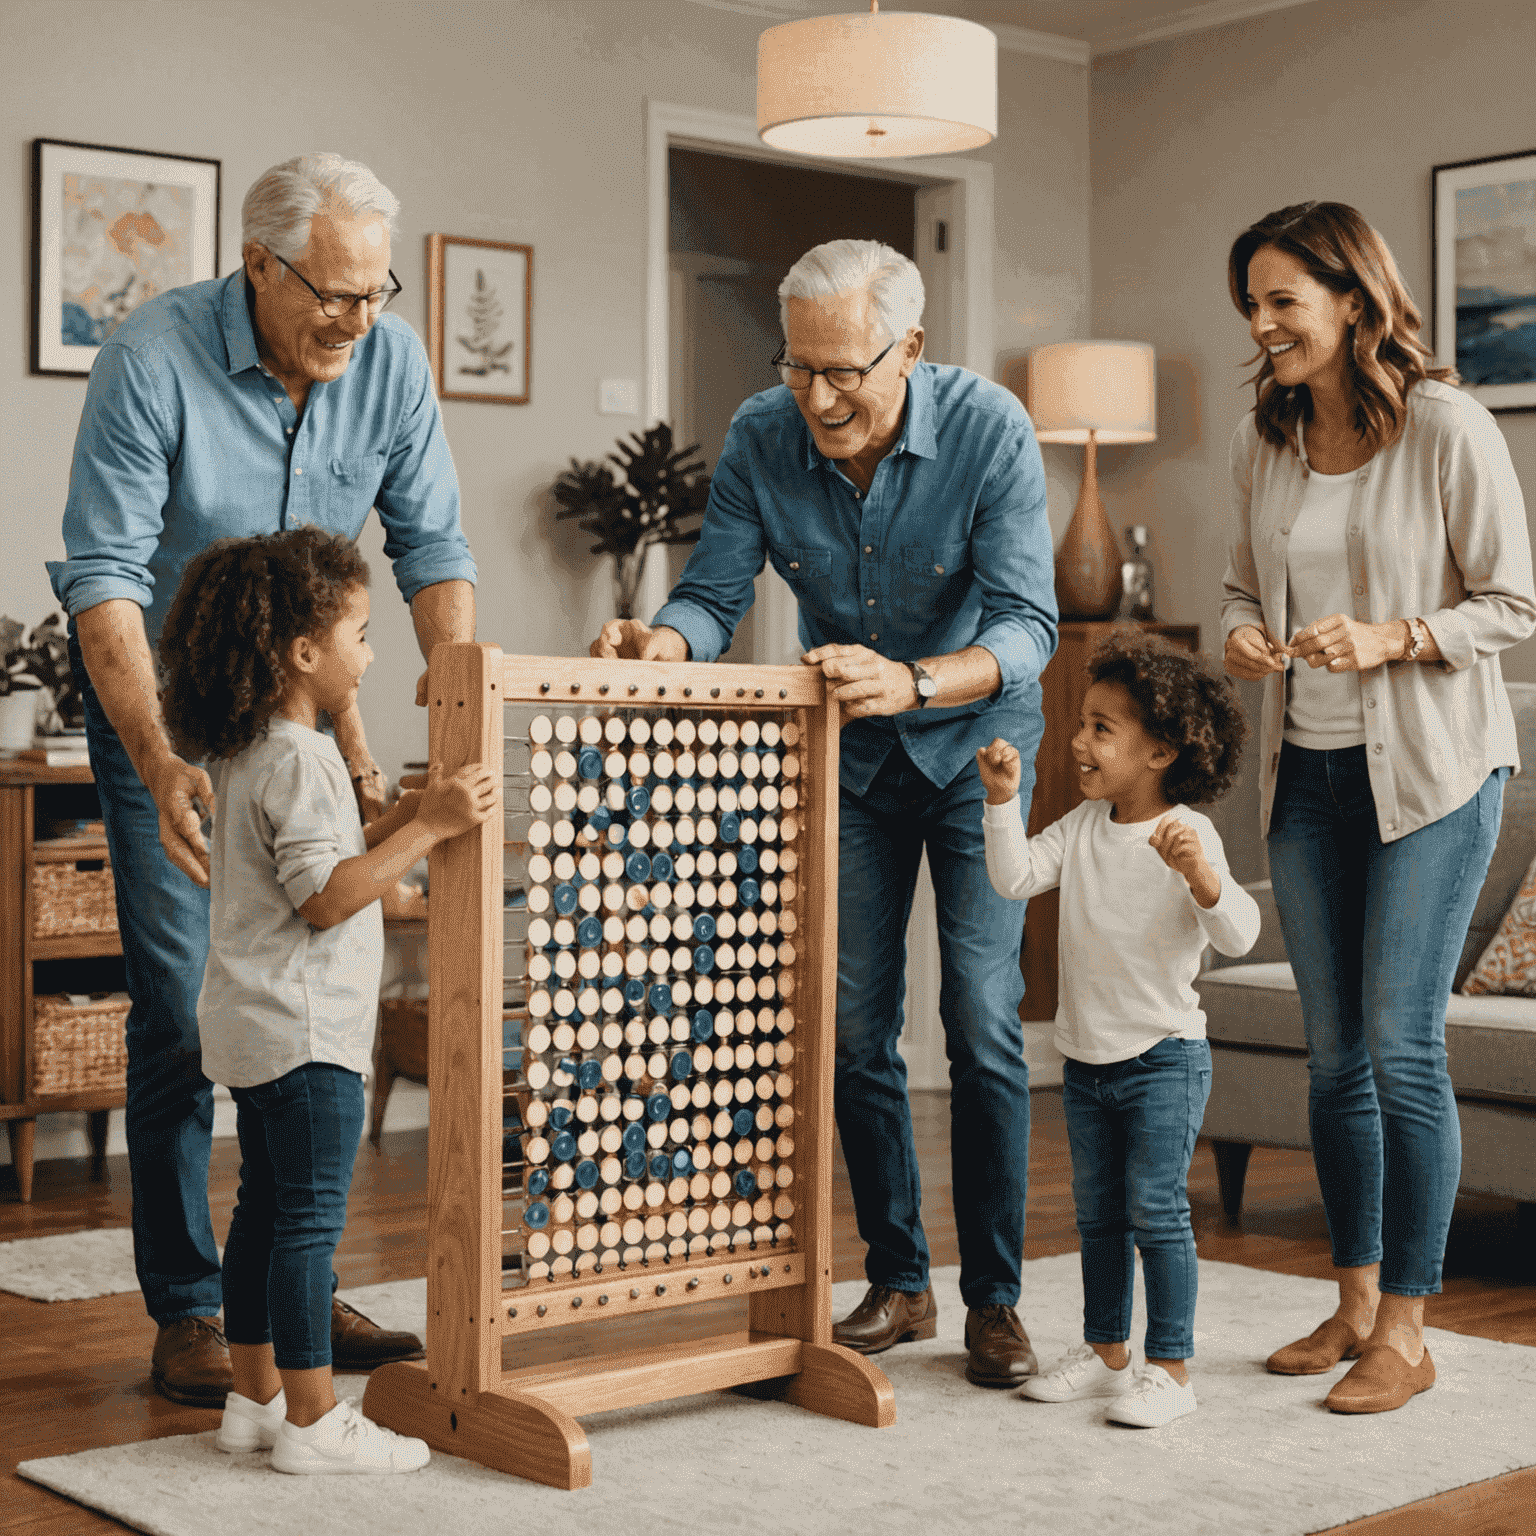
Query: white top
{"points": [[1324, 710], [1130, 935], [276, 992]]}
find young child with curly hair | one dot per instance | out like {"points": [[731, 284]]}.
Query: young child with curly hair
{"points": [[265, 633], [1144, 888]]}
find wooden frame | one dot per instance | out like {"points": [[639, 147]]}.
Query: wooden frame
{"points": [[525, 1421], [165, 233], [505, 355], [1475, 312]]}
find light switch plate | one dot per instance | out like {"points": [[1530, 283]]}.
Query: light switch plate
{"points": [[618, 397]]}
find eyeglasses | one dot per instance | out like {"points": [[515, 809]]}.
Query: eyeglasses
{"points": [[846, 381], [334, 306]]}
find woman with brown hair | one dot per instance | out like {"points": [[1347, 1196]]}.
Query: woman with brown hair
{"points": [[1378, 563]]}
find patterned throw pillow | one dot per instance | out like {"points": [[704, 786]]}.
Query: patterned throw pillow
{"points": [[1508, 964]]}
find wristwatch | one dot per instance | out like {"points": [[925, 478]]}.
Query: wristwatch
{"points": [[924, 681], [1415, 639]]}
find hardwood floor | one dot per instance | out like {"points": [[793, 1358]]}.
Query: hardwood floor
{"points": [[74, 1375]]}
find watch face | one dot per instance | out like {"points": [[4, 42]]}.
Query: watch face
{"points": [[927, 687]]}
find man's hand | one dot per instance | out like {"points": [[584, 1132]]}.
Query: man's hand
{"points": [[1252, 653], [1178, 846], [867, 683], [630, 640], [1000, 771], [174, 785], [1343, 644]]}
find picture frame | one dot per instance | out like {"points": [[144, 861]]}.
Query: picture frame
{"points": [[111, 228], [480, 318], [1484, 277]]}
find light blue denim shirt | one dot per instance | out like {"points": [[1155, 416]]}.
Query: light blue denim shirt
{"points": [[186, 438], [950, 548]]}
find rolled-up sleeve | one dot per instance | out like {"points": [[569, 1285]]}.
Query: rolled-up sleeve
{"points": [[119, 482], [418, 502], [301, 806]]}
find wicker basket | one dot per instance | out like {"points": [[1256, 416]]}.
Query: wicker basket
{"points": [[71, 898], [79, 1047]]}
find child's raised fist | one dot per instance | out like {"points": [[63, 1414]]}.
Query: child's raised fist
{"points": [[1000, 771], [1178, 846]]}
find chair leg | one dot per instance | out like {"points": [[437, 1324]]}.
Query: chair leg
{"points": [[383, 1081], [1525, 1237], [98, 1134], [1231, 1172]]}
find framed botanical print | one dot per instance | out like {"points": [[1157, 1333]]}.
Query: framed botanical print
{"points": [[479, 318], [1485, 277], [112, 228]]}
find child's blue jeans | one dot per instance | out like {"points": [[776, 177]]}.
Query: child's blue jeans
{"points": [[298, 1141], [1132, 1127]]}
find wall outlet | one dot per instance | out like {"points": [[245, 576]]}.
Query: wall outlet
{"points": [[618, 397]]}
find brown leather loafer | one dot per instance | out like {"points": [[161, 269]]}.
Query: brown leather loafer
{"points": [[1379, 1381], [1001, 1354], [886, 1317], [190, 1363], [1320, 1351], [359, 1344]]}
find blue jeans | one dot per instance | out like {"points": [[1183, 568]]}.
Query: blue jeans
{"points": [[1374, 931], [882, 837], [1132, 1128], [163, 918], [298, 1141]]}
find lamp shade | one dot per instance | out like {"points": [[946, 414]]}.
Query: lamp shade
{"points": [[1106, 387], [877, 86]]}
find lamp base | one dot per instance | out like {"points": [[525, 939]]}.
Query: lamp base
{"points": [[1088, 561]]}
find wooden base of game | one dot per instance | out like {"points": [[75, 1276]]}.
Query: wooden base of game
{"points": [[528, 1427]]}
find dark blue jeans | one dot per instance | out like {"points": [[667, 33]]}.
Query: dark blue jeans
{"points": [[298, 1141], [882, 837], [163, 918], [1132, 1127], [1374, 931]]}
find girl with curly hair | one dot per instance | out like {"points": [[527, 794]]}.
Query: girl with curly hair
{"points": [[1144, 888], [263, 635]]}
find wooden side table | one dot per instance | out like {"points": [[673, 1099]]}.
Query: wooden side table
{"points": [[1057, 789], [28, 965]]}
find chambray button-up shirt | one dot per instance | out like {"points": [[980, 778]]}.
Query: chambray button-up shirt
{"points": [[185, 438], [950, 548]]}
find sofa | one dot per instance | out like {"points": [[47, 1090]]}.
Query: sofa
{"points": [[1258, 1046]]}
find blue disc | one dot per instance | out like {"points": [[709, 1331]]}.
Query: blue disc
{"points": [[566, 1064], [560, 1117], [661, 866], [563, 1147], [704, 927], [638, 866], [586, 1173], [589, 933], [600, 818], [748, 892], [746, 858], [536, 1216], [743, 1122], [658, 1106], [638, 800], [682, 1067], [634, 991], [538, 1181], [661, 1166], [634, 1165], [634, 1137], [660, 997], [703, 1025], [730, 827], [746, 1183], [682, 1164], [565, 899], [590, 763], [704, 959], [589, 1074]]}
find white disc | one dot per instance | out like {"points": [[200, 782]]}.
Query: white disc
{"points": [[540, 729]]}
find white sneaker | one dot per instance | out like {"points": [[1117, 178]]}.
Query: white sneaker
{"points": [[344, 1441], [248, 1425], [1081, 1374], [1154, 1398]]}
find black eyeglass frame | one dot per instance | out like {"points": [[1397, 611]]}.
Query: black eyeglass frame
{"points": [[348, 301], [826, 373]]}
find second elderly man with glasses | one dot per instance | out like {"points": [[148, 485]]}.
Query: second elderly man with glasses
{"points": [[905, 505]]}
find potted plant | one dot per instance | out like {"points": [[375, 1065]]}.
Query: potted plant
{"points": [[655, 493], [28, 665]]}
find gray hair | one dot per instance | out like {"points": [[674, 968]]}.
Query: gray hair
{"points": [[848, 266], [277, 210]]}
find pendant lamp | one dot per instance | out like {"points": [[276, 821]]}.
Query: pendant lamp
{"points": [[877, 87]]}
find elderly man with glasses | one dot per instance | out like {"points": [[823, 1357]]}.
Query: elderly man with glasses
{"points": [[277, 396], [905, 505]]}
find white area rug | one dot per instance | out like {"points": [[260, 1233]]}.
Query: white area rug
{"points": [[74, 1266], [1260, 1457]]}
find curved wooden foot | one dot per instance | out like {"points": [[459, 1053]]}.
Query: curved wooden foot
{"points": [[839, 1383], [508, 1431]]}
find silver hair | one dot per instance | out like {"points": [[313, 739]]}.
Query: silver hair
{"points": [[277, 210], [847, 266]]}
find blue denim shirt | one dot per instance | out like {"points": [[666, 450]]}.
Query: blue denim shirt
{"points": [[186, 438], [950, 548]]}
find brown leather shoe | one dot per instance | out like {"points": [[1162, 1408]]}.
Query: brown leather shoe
{"points": [[1001, 1354], [190, 1363], [886, 1317], [359, 1344], [1379, 1381], [1320, 1351]]}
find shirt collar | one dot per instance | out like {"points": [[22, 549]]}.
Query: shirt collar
{"points": [[917, 434], [239, 331]]}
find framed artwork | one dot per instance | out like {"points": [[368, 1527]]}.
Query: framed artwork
{"points": [[1485, 277], [479, 318], [111, 228]]}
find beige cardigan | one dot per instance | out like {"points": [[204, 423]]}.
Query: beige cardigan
{"points": [[1437, 531]]}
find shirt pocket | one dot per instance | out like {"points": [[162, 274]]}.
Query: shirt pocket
{"points": [[931, 578], [354, 485], [807, 570]]}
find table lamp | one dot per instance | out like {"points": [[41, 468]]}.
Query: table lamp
{"points": [[1091, 392]]}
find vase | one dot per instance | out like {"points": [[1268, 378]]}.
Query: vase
{"points": [[18, 719], [1137, 595], [640, 582], [1088, 562]]}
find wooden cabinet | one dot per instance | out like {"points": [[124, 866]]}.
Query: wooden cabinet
{"points": [[32, 794], [1057, 789]]}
